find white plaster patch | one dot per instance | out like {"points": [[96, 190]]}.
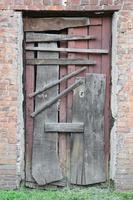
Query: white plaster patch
{"points": [[20, 120], [114, 92], [64, 2], [113, 150]]}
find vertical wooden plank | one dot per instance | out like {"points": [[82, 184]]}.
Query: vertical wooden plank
{"points": [[77, 143], [70, 68], [102, 31], [62, 114], [45, 164], [96, 30], [106, 69], [94, 129], [29, 87], [74, 44]]}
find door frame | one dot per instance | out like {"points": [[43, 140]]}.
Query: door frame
{"points": [[30, 82]]}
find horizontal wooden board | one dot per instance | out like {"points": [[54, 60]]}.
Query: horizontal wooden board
{"points": [[70, 50], [42, 37], [60, 62], [64, 127], [56, 23]]}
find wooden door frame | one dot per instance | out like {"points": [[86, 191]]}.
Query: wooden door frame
{"points": [[28, 137]]}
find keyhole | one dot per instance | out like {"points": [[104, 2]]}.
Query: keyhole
{"points": [[81, 94]]}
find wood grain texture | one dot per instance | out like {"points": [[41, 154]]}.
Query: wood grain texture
{"points": [[94, 168], [43, 37], [53, 83], [29, 87], [59, 62], [73, 50], [76, 168], [76, 141], [44, 106], [64, 127], [45, 165], [106, 69], [77, 153], [50, 24], [97, 30], [71, 67], [62, 112], [103, 66]]}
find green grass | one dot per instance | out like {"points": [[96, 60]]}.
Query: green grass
{"points": [[65, 194]]}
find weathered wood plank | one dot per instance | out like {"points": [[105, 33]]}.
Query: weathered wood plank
{"points": [[59, 62], [70, 50], [56, 23], [94, 162], [55, 99], [29, 86], [45, 165], [96, 45], [64, 127], [62, 112], [95, 21], [73, 44], [77, 139], [77, 145], [76, 44], [53, 83], [106, 69], [42, 37]]}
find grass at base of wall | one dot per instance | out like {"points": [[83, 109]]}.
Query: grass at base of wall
{"points": [[66, 194]]}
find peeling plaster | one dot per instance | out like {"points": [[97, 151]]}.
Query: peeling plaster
{"points": [[114, 92], [20, 119]]}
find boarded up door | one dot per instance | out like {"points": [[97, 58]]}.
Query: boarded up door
{"points": [[67, 100]]}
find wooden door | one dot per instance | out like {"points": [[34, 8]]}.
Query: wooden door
{"points": [[67, 100]]}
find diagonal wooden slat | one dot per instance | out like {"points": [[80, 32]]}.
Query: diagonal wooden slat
{"points": [[55, 99], [53, 83]]}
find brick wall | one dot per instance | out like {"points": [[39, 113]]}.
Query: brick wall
{"points": [[10, 105], [61, 4], [122, 76], [11, 96]]}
